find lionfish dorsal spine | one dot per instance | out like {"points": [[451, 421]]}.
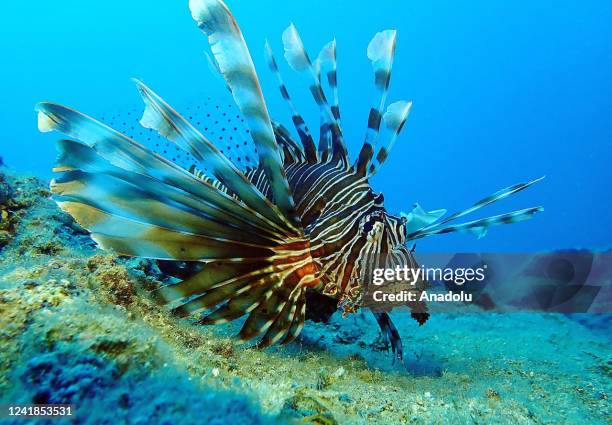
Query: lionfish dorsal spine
{"points": [[394, 118], [327, 56], [292, 151], [381, 52], [297, 119], [236, 65], [298, 59]]}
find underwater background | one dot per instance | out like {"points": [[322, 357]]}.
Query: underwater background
{"points": [[503, 92]]}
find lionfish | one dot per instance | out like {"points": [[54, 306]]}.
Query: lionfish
{"points": [[300, 230]]}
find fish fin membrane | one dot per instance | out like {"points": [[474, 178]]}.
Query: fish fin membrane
{"points": [[270, 291], [381, 52], [479, 227], [302, 129], [89, 177], [161, 117], [298, 59], [236, 65]]}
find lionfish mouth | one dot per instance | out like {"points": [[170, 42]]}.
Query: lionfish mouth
{"points": [[267, 234]]}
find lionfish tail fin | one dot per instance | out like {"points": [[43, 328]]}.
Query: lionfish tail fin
{"points": [[423, 224], [236, 65]]}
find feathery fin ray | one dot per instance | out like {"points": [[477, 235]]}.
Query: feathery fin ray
{"points": [[160, 116], [236, 65], [395, 117], [479, 227], [298, 121], [208, 203], [298, 59], [429, 225], [381, 52]]}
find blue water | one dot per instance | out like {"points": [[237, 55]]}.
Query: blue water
{"points": [[503, 92]]}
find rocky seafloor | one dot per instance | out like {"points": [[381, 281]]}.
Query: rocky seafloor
{"points": [[77, 326]]}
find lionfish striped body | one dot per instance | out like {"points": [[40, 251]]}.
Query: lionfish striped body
{"points": [[338, 211], [304, 220]]}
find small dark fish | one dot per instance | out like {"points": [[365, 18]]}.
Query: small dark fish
{"points": [[300, 218]]}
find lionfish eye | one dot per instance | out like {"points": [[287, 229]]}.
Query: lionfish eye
{"points": [[370, 222], [368, 226]]}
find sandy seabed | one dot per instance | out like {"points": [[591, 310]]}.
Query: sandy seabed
{"points": [[77, 326]]}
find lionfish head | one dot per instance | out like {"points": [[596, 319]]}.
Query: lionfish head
{"points": [[376, 240]]}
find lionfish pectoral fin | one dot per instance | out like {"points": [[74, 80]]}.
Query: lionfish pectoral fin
{"points": [[291, 311], [478, 227], [160, 116], [418, 218], [236, 65], [192, 205], [139, 204], [270, 290], [264, 316]]}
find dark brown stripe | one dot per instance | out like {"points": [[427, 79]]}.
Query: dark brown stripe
{"points": [[374, 119], [332, 78], [284, 91], [382, 78]]}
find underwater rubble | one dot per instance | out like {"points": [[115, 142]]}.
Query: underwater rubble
{"points": [[77, 326]]}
